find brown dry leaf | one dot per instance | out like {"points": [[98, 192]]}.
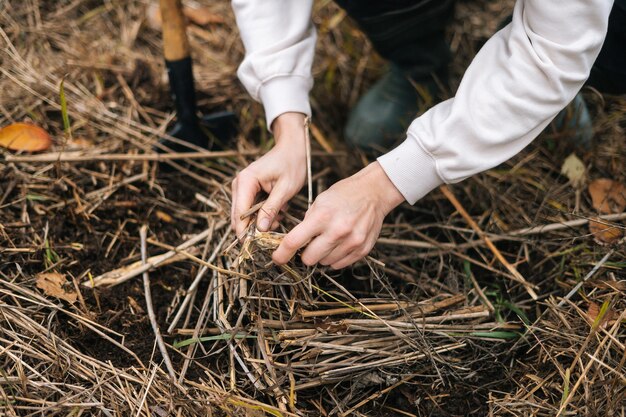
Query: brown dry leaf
{"points": [[604, 234], [594, 309], [608, 196], [24, 137], [55, 285], [163, 216], [79, 143]]}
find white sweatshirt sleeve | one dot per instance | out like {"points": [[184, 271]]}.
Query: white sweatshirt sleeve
{"points": [[279, 38], [522, 77]]}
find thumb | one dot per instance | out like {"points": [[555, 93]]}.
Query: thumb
{"points": [[277, 199]]}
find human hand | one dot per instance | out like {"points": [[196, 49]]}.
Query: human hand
{"points": [[344, 222], [281, 173]]}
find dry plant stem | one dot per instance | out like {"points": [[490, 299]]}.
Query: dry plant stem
{"points": [[584, 371], [194, 285], [356, 309], [377, 395], [309, 176], [82, 157], [123, 274], [143, 232], [589, 275], [518, 277], [480, 292], [252, 210], [513, 235]]}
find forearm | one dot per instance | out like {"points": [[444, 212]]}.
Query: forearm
{"points": [[279, 38], [515, 86]]}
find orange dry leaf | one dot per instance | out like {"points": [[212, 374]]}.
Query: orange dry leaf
{"points": [[24, 137], [163, 216], [79, 143], [603, 233], [608, 196], [594, 310], [55, 285]]}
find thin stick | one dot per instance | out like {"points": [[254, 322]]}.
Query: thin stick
{"points": [[514, 272], [123, 274], [143, 232], [589, 275], [565, 225], [194, 285], [356, 309], [81, 157], [513, 235], [307, 140], [252, 210]]}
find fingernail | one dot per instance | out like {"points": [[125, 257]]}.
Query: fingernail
{"points": [[264, 224]]}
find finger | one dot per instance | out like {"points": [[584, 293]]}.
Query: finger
{"points": [[267, 214], [279, 218], [353, 255], [299, 236], [347, 261], [319, 248], [247, 189], [339, 253]]}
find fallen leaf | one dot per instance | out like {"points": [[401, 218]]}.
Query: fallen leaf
{"points": [[594, 310], [163, 216], [574, 169], [24, 137], [603, 233], [55, 285], [607, 196], [134, 305], [79, 144]]}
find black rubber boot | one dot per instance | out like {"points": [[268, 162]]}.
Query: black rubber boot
{"points": [[384, 113], [410, 34]]}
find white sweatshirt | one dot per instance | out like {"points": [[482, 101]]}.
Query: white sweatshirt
{"points": [[521, 78]]}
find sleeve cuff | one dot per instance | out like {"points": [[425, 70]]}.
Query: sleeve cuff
{"points": [[284, 94], [411, 169]]}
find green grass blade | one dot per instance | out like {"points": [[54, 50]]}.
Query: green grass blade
{"points": [[64, 114]]}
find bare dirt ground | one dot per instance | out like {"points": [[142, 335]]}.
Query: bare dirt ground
{"points": [[434, 323]]}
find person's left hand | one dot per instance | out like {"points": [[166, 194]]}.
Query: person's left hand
{"points": [[344, 222]]}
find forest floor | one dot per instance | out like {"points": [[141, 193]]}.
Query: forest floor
{"points": [[501, 295]]}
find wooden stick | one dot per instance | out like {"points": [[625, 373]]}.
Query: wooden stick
{"points": [[309, 176], [123, 274], [513, 235], [514, 272], [589, 275], [82, 157], [143, 231], [355, 309]]}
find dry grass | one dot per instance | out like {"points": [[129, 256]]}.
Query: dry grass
{"points": [[432, 323]]}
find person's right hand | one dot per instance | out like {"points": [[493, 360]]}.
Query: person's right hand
{"points": [[281, 173]]}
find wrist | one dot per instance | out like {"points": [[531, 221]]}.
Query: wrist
{"points": [[288, 125], [383, 190], [289, 135]]}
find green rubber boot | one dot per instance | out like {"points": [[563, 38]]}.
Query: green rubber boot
{"points": [[383, 115]]}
